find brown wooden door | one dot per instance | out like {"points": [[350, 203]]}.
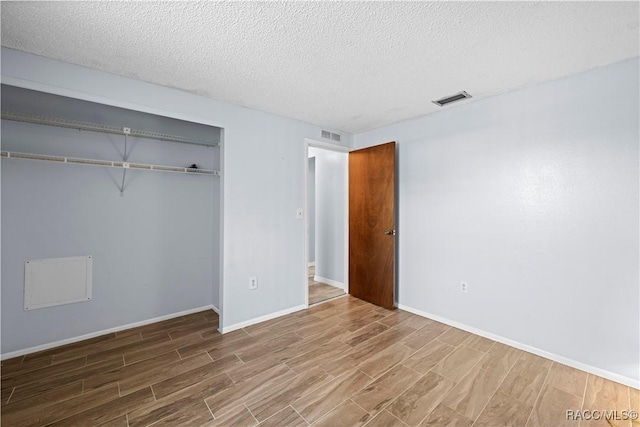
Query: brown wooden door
{"points": [[372, 224]]}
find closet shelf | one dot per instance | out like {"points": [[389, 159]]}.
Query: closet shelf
{"points": [[107, 163], [95, 127]]}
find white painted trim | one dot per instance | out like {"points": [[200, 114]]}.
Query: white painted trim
{"points": [[305, 239], [216, 309], [326, 146], [261, 319], [542, 353], [312, 264], [37, 348], [328, 281], [345, 276], [221, 243]]}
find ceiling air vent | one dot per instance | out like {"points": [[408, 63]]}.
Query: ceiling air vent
{"points": [[453, 98], [330, 135]]}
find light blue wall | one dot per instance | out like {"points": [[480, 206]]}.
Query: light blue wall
{"points": [[154, 250], [532, 198], [262, 184], [330, 206]]}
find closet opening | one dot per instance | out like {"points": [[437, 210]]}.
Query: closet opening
{"points": [[138, 194]]}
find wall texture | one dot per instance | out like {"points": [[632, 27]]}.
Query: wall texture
{"points": [[330, 179], [154, 250], [532, 198], [262, 167]]}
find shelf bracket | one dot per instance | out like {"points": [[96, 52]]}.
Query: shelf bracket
{"points": [[125, 165]]}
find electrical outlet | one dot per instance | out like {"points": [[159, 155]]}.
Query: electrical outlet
{"points": [[253, 283], [463, 287]]}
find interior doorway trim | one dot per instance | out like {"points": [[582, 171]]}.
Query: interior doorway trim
{"points": [[341, 149]]}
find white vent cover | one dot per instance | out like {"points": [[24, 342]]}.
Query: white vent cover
{"points": [[335, 137], [56, 281]]}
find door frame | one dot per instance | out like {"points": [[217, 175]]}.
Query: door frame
{"points": [[308, 142]]}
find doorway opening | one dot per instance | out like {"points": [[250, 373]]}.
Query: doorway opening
{"points": [[326, 242]]}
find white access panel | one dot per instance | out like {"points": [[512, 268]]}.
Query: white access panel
{"points": [[56, 281]]}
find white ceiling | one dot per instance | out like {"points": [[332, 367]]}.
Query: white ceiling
{"points": [[352, 66]]}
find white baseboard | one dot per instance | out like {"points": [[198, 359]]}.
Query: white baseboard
{"points": [[260, 319], [328, 281], [216, 309], [542, 353], [312, 264], [47, 346]]}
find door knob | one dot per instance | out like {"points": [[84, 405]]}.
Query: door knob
{"points": [[390, 232]]}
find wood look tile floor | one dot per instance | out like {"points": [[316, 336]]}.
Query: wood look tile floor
{"points": [[341, 363], [319, 291]]}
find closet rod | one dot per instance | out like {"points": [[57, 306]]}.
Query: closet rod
{"points": [[107, 163], [95, 127]]}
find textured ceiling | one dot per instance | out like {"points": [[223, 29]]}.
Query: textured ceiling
{"points": [[353, 66]]}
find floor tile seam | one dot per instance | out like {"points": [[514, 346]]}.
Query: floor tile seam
{"points": [[318, 386], [38, 380], [296, 411], [209, 408], [108, 400], [250, 413], [516, 398], [191, 405], [535, 402], [10, 395], [495, 392], [390, 368], [403, 423], [400, 393], [243, 400], [344, 374]]}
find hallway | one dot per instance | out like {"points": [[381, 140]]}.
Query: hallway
{"points": [[320, 291]]}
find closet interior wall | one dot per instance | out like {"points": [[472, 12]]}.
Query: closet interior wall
{"points": [[155, 248]]}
